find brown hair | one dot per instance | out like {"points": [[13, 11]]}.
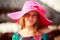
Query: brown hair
{"points": [[36, 27]]}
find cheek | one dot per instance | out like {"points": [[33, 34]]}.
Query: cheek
{"points": [[32, 19], [35, 19], [26, 19]]}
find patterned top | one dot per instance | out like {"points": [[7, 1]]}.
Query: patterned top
{"points": [[16, 36]]}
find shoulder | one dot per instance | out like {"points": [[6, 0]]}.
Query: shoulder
{"points": [[46, 30], [15, 36]]}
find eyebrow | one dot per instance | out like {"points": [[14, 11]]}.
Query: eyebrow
{"points": [[29, 12]]}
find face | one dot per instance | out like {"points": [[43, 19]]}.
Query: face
{"points": [[30, 18]]}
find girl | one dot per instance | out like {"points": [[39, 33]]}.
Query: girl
{"points": [[32, 22]]}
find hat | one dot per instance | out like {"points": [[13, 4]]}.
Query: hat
{"points": [[29, 6]]}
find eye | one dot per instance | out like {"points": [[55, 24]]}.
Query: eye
{"points": [[35, 14], [27, 14]]}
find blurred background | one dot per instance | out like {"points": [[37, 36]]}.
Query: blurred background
{"points": [[8, 26]]}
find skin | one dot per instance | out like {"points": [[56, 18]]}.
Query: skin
{"points": [[48, 29], [30, 19]]}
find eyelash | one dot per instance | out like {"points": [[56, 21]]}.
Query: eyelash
{"points": [[35, 14]]}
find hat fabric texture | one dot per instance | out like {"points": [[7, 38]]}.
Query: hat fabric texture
{"points": [[30, 6]]}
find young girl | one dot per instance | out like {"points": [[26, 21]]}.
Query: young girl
{"points": [[31, 21]]}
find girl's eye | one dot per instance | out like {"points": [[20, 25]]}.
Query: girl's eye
{"points": [[26, 14], [35, 15]]}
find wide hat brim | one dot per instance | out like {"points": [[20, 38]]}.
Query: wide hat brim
{"points": [[44, 21]]}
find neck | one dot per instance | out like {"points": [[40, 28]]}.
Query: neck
{"points": [[29, 27], [25, 32]]}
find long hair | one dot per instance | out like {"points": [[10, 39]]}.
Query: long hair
{"points": [[36, 26]]}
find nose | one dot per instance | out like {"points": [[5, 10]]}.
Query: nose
{"points": [[30, 17]]}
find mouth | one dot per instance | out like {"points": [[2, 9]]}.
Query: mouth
{"points": [[30, 21]]}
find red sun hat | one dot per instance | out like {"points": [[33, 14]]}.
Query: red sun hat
{"points": [[30, 6]]}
